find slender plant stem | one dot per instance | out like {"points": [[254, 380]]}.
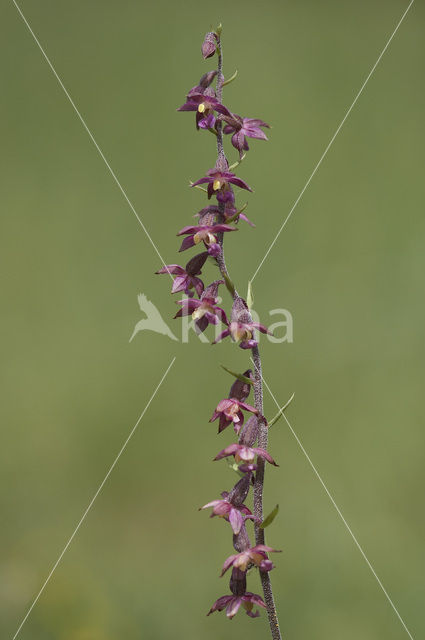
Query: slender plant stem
{"points": [[263, 437], [258, 390]]}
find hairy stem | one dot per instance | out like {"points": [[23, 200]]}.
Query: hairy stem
{"points": [[258, 391], [263, 437]]}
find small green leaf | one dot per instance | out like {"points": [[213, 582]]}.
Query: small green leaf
{"points": [[237, 163], [229, 80], [219, 29], [280, 412], [250, 296], [239, 376], [272, 515], [237, 214]]}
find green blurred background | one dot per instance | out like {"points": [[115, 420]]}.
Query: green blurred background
{"points": [[349, 266]]}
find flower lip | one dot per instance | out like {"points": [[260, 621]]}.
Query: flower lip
{"points": [[233, 603], [202, 233], [229, 410], [256, 556], [204, 311], [218, 180], [245, 454]]}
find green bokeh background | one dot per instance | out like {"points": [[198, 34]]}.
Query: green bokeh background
{"points": [[349, 266]]}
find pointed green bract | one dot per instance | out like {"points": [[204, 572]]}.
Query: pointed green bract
{"points": [[280, 412], [229, 80], [269, 519], [239, 376], [237, 214]]}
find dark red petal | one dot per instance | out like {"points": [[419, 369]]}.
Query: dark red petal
{"points": [[233, 607], [188, 229], [228, 563], [187, 243], [236, 520], [264, 454], [228, 451], [179, 284], [261, 327], [220, 604], [239, 183], [222, 335], [188, 106], [248, 407], [174, 269], [203, 180]]}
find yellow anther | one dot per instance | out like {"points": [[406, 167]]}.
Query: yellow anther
{"points": [[217, 185], [201, 107]]}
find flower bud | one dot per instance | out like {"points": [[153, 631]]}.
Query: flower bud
{"points": [[239, 389], [266, 565], [209, 45]]}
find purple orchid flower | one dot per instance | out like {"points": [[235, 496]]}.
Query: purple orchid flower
{"points": [[241, 328], [236, 515], [202, 233], [231, 507], [219, 182], [245, 451], [243, 128], [240, 596], [256, 556], [204, 104], [232, 604], [204, 311], [244, 454], [186, 279], [230, 409]]}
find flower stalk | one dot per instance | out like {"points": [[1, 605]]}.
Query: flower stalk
{"points": [[250, 452]]}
